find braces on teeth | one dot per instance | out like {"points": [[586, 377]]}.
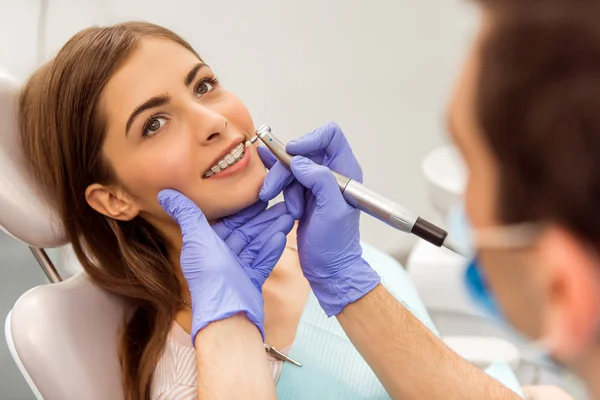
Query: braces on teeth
{"points": [[230, 159]]}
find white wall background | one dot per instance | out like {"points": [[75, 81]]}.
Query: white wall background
{"points": [[382, 69]]}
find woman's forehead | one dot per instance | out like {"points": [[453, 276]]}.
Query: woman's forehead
{"points": [[154, 68]]}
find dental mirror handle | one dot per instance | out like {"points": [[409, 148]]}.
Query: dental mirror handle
{"points": [[367, 200]]}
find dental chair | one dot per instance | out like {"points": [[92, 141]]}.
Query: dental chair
{"points": [[62, 336]]}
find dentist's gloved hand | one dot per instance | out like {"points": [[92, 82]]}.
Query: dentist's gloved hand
{"points": [[280, 178], [328, 231], [226, 266]]}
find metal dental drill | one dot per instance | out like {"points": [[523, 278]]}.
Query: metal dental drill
{"points": [[367, 200]]}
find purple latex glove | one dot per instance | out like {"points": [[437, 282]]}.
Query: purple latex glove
{"points": [[328, 231], [247, 231], [226, 267], [280, 178]]}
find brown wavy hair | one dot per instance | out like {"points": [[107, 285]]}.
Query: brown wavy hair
{"points": [[63, 130]]}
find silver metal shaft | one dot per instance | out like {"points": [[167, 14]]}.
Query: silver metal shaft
{"points": [[365, 199], [47, 266]]}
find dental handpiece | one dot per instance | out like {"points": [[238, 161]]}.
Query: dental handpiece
{"points": [[367, 200]]}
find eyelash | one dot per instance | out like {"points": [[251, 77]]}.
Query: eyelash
{"points": [[147, 124], [213, 80]]}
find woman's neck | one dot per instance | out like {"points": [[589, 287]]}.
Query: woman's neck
{"points": [[174, 246], [174, 243]]}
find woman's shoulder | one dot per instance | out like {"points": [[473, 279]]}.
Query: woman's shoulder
{"points": [[176, 376], [176, 368]]}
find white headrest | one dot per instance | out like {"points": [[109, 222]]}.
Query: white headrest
{"points": [[22, 213], [446, 175]]}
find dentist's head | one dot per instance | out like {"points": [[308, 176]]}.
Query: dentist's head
{"points": [[526, 116]]}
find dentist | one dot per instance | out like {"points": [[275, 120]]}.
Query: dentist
{"points": [[526, 116]]}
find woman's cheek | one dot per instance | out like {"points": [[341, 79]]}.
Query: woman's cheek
{"points": [[153, 174], [171, 166]]}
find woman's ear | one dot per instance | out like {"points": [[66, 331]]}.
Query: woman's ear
{"points": [[112, 202]]}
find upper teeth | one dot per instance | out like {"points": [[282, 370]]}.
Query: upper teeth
{"points": [[231, 158]]}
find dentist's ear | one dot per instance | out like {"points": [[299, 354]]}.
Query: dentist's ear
{"points": [[571, 316], [112, 202]]}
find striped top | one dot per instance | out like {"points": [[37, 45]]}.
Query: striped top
{"points": [[176, 376]]}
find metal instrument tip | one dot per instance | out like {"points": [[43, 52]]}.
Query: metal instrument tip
{"points": [[252, 140]]}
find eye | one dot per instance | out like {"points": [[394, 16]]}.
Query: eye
{"points": [[205, 86], [153, 125]]}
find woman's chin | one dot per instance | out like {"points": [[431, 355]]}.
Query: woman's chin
{"points": [[236, 202], [234, 198]]}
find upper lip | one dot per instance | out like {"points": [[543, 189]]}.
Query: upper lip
{"points": [[225, 151]]}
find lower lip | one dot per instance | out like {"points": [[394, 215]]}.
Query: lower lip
{"points": [[236, 168]]}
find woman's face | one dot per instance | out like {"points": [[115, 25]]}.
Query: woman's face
{"points": [[169, 122]]}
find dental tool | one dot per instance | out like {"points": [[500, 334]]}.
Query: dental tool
{"points": [[367, 200]]}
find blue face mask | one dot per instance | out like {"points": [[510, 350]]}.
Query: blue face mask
{"points": [[477, 288], [469, 241], [479, 291]]}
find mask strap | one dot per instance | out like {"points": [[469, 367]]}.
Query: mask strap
{"points": [[508, 237]]}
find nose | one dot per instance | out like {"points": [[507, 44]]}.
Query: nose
{"points": [[207, 125]]}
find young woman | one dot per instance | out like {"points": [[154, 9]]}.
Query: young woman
{"points": [[119, 114]]}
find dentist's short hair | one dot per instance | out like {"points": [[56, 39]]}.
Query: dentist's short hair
{"points": [[538, 105]]}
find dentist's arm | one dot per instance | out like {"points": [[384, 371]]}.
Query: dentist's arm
{"points": [[225, 266], [408, 359]]}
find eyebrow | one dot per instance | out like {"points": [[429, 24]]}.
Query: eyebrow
{"points": [[450, 124], [162, 99], [155, 101], [451, 127], [189, 78]]}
